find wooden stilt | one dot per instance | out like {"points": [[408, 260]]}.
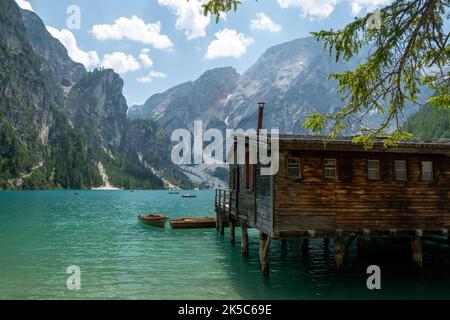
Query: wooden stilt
{"points": [[326, 243], [416, 251], [305, 246], [339, 251], [222, 225], [244, 239], [264, 245], [283, 245], [232, 231], [217, 221], [341, 245]]}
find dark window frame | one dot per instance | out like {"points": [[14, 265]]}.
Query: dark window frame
{"points": [[433, 174], [325, 177], [406, 170], [300, 168], [379, 169]]}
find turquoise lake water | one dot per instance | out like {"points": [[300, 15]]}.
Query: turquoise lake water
{"points": [[44, 232]]}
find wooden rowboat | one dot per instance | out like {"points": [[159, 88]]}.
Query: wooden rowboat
{"points": [[155, 220], [193, 223]]}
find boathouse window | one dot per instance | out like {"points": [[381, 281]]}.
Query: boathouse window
{"points": [[373, 169], [329, 168], [294, 169], [427, 170], [400, 170]]}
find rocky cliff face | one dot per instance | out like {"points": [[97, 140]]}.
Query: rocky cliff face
{"points": [[59, 123], [33, 124], [54, 54], [95, 104], [292, 78], [202, 99]]}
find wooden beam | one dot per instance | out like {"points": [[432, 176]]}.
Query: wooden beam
{"points": [[416, 251], [341, 245], [217, 218], [232, 230], [305, 246], [326, 244], [222, 224], [264, 245], [244, 239], [339, 251], [393, 232]]}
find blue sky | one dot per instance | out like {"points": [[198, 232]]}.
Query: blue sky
{"points": [[156, 44]]}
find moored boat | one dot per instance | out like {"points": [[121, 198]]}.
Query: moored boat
{"points": [[193, 223], [189, 196], [155, 220]]}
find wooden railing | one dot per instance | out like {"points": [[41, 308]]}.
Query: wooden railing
{"points": [[223, 200]]}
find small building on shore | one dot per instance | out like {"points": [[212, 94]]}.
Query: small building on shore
{"points": [[341, 191]]}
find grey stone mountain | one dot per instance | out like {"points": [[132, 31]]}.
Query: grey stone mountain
{"points": [[292, 78], [202, 99], [64, 127], [56, 59]]}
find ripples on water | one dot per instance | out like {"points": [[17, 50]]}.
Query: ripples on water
{"points": [[43, 232]]}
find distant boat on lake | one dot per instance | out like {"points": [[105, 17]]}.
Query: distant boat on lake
{"points": [[189, 196]]}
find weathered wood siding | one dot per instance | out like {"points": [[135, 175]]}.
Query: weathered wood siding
{"points": [[264, 216], [352, 202], [254, 207]]}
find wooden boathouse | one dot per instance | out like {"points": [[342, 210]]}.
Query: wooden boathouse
{"points": [[340, 191]]}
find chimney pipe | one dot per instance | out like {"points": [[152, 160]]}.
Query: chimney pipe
{"points": [[260, 116]]}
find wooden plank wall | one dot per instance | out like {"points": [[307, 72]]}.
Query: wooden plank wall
{"points": [[264, 217], [352, 202], [254, 207]]}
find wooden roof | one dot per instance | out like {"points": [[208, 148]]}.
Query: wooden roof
{"points": [[290, 141]]}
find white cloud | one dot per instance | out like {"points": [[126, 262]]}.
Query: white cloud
{"points": [[152, 75], [369, 5], [263, 22], [24, 5], [321, 9], [133, 29], [89, 59], [120, 62], [190, 17], [144, 56], [228, 43]]}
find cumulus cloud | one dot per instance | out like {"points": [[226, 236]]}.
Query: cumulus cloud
{"points": [[150, 76], [322, 9], [370, 5], [190, 17], [88, 58], [263, 22], [228, 43], [133, 29], [24, 5], [144, 56], [120, 62]]}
